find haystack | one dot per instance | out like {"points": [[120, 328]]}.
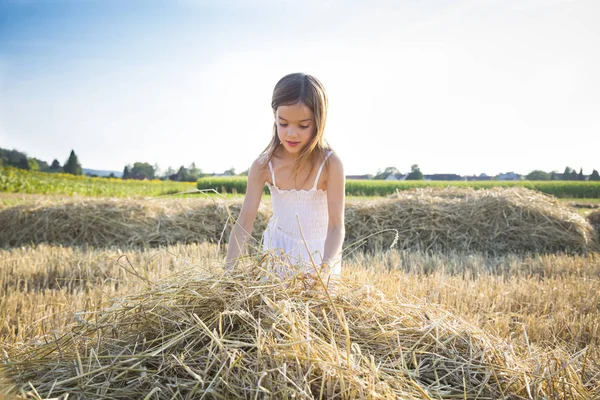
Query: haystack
{"points": [[499, 220], [594, 218], [213, 335], [119, 222]]}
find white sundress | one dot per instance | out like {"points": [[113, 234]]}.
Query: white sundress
{"points": [[282, 235]]}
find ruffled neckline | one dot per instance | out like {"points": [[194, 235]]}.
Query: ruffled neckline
{"points": [[270, 185]]}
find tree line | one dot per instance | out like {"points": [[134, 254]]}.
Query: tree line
{"points": [[415, 173], [17, 159], [137, 170], [144, 170], [569, 174]]}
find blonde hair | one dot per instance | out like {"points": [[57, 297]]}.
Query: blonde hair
{"points": [[306, 89]]}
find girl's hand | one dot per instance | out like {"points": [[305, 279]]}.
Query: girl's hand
{"points": [[325, 268], [311, 279]]}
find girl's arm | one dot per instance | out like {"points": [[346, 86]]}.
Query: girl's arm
{"points": [[336, 199], [244, 225]]}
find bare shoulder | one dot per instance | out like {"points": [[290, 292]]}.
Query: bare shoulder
{"points": [[259, 170], [334, 159], [335, 166]]}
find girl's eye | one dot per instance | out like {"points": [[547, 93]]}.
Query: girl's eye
{"points": [[301, 126]]}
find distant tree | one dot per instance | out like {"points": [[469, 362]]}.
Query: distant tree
{"points": [[580, 176], [126, 173], [112, 175], [42, 165], [595, 176], [24, 163], [183, 175], [12, 158], [55, 165], [386, 172], [415, 173], [244, 173], [195, 172], [33, 164], [167, 173], [567, 174], [72, 166], [538, 175], [553, 176], [141, 170], [229, 172]]}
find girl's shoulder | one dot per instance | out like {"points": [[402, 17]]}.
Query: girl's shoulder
{"points": [[330, 157], [260, 167], [262, 160]]}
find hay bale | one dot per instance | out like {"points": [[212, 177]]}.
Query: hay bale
{"points": [[235, 336], [119, 222], [594, 218], [498, 220]]}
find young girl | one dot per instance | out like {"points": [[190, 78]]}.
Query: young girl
{"points": [[307, 185]]}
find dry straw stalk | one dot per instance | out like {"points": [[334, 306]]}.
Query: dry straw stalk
{"points": [[213, 335], [496, 221]]}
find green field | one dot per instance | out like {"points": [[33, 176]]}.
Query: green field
{"points": [[560, 189], [32, 182], [14, 180]]}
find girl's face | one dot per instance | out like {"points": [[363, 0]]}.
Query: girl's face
{"points": [[295, 126]]}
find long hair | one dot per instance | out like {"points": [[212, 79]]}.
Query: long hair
{"points": [[301, 88]]}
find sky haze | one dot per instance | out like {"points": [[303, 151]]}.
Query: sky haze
{"points": [[467, 87]]}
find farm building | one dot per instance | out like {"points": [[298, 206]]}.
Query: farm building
{"points": [[443, 177], [509, 176], [480, 177], [359, 177]]}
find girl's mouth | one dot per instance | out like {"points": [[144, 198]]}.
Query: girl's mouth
{"points": [[292, 144]]}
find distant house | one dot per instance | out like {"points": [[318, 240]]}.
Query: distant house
{"points": [[396, 177], [359, 176], [443, 177], [481, 177], [509, 176]]}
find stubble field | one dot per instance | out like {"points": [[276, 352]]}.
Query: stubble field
{"points": [[543, 306]]}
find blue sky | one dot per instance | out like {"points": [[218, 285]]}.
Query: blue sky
{"points": [[454, 86]]}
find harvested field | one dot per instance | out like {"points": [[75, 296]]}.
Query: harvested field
{"points": [[543, 340], [201, 333], [111, 303], [498, 221]]}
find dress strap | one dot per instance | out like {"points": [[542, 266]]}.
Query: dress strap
{"points": [[272, 173], [321, 169]]}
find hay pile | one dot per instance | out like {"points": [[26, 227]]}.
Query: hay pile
{"points": [[235, 336], [119, 222], [499, 220], [594, 218]]}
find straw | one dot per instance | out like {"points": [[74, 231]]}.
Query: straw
{"points": [[237, 335], [497, 221]]}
